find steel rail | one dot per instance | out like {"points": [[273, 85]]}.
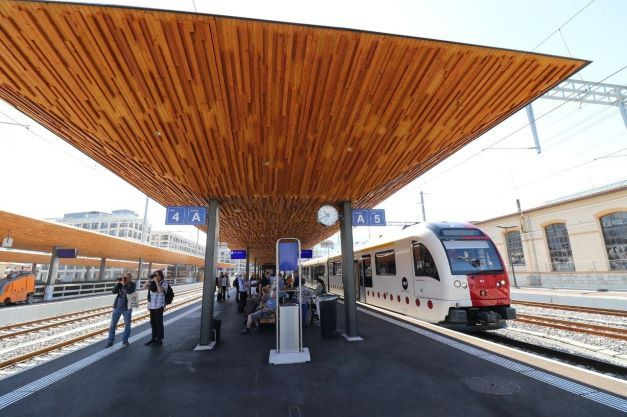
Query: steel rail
{"points": [[39, 352], [606, 311], [573, 326], [103, 311], [551, 353]]}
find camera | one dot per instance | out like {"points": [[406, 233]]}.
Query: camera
{"points": [[152, 276]]}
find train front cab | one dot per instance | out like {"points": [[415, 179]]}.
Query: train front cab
{"points": [[477, 269]]}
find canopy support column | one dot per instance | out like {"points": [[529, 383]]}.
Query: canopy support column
{"points": [[140, 266], [348, 273], [52, 275], [103, 265], [209, 285]]}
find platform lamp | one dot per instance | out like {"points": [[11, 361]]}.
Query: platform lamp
{"points": [[509, 255]]}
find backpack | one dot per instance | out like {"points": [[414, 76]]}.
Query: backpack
{"points": [[169, 295]]}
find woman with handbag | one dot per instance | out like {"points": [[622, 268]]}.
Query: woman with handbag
{"points": [[157, 288]]}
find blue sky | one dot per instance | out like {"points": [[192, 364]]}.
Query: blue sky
{"points": [[50, 178]]}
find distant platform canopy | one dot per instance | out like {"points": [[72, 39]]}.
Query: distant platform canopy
{"points": [[272, 119], [30, 234]]}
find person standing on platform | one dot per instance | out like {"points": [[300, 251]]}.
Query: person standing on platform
{"points": [[123, 287], [236, 285], [157, 287], [224, 286], [242, 289]]}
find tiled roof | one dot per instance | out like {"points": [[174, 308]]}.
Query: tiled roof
{"points": [[591, 191]]}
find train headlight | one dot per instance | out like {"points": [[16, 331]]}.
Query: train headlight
{"points": [[498, 284], [502, 282], [457, 283], [464, 285]]}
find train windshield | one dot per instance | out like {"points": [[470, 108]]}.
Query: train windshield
{"points": [[472, 256]]}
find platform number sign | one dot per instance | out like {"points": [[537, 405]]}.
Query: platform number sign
{"points": [[377, 217], [368, 217], [361, 217], [196, 215], [183, 215]]}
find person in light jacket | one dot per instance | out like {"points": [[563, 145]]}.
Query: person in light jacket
{"points": [[157, 287]]}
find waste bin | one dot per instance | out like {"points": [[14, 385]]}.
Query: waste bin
{"points": [[216, 326], [328, 316]]}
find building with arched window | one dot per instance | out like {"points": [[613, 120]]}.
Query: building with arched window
{"points": [[578, 241]]}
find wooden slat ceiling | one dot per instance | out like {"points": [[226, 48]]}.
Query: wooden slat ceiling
{"points": [[44, 258], [272, 119], [41, 235]]}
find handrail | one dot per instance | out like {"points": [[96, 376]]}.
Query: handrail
{"points": [[81, 289]]}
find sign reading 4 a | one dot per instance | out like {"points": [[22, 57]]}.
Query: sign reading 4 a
{"points": [[184, 215]]}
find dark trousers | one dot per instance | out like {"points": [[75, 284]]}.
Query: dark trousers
{"points": [[156, 323], [242, 301], [223, 291]]}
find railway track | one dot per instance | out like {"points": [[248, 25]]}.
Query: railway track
{"points": [[606, 311], [551, 353], [16, 360], [7, 332], [574, 326]]}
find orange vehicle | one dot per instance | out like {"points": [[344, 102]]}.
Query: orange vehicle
{"points": [[17, 287]]}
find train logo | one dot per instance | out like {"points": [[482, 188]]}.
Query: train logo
{"points": [[405, 284]]}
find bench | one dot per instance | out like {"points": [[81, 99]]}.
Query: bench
{"points": [[271, 319]]}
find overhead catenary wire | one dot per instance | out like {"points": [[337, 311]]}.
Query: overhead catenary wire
{"points": [[463, 161], [47, 140], [562, 25]]}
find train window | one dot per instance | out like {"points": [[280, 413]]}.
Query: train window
{"points": [[385, 263], [367, 265], [320, 271], [424, 265], [337, 268], [467, 257]]}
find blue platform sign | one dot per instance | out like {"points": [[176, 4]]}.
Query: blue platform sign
{"points": [[184, 215], [196, 215], [238, 254], [67, 253], [361, 217], [377, 217], [368, 217], [288, 256], [175, 215], [306, 253]]}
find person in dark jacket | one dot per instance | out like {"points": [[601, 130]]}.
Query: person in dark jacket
{"points": [[123, 287]]}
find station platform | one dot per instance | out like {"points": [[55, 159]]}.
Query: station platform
{"points": [[397, 370], [615, 300]]}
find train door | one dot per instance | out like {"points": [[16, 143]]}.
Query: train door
{"points": [[427, 286], [360, 291], [366, 273]]}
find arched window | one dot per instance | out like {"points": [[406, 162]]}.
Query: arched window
{"points": [[559, 247], [614, 228], [514, 248]]}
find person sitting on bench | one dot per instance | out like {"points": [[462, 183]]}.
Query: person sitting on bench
{"points": [[266, 308]]}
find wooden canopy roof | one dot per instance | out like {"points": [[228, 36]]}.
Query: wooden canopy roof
{"points": [[272, 119], [41, 236]]}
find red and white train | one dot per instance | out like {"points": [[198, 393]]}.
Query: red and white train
{"points": [[445, 273]]}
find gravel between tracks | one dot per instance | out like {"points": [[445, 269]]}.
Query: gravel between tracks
{"points": [[596, 347]]}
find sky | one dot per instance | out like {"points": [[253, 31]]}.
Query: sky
{"points": [[583, 145]]}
